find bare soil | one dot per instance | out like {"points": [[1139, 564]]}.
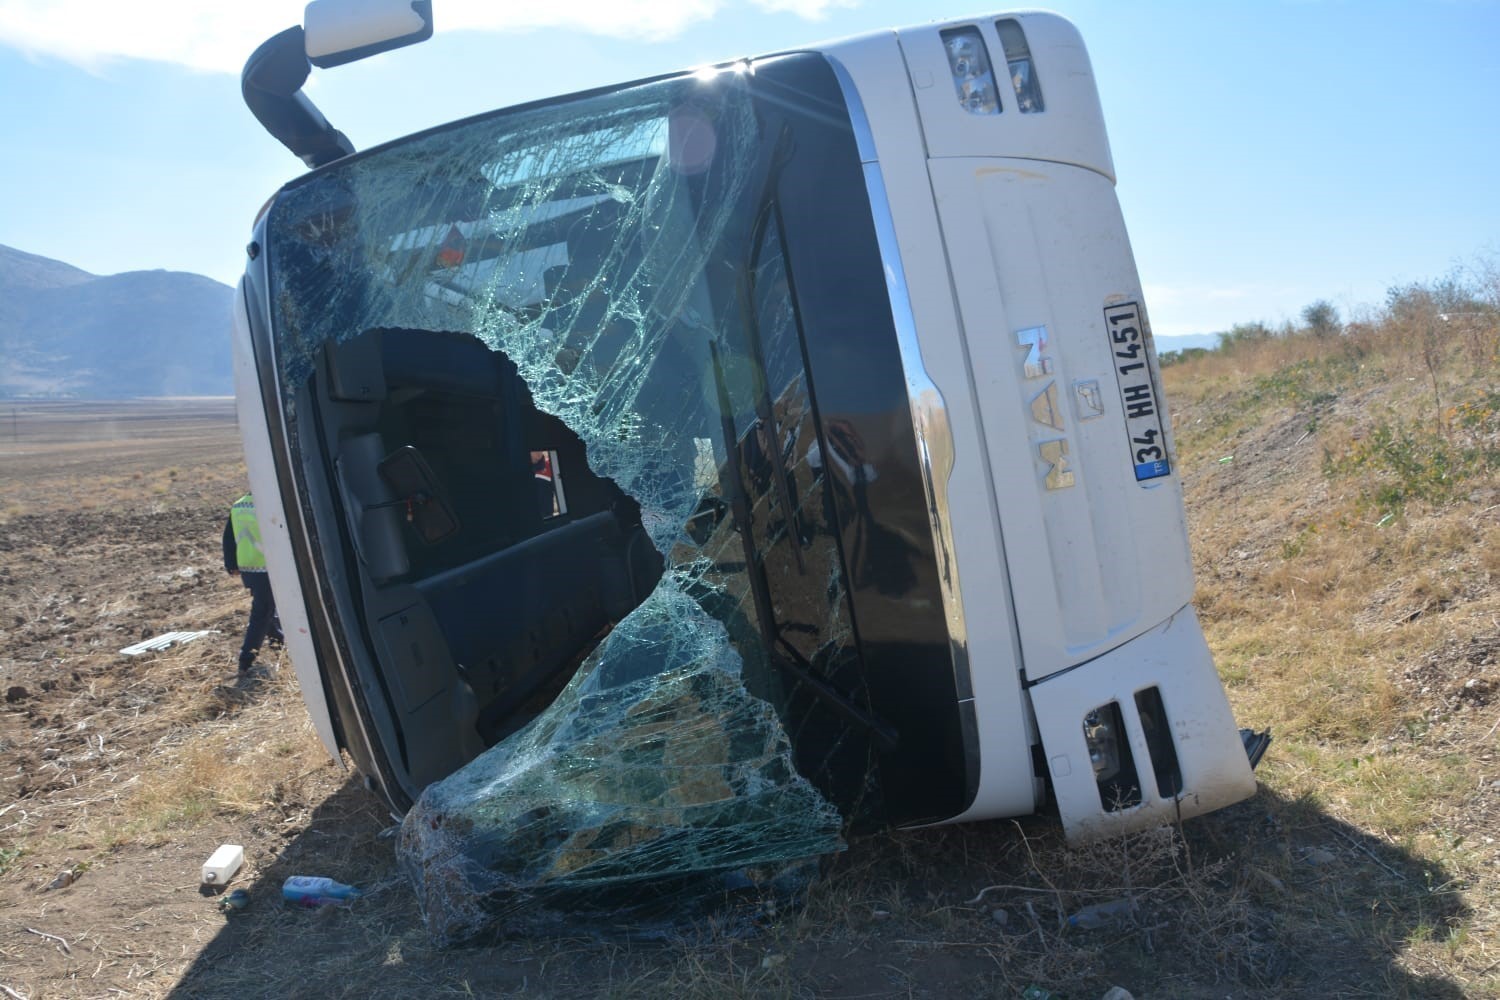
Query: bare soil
{"points": [[119, 776]]}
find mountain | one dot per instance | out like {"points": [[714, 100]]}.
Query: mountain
{"points": [[67, 333], [1182, 342]]}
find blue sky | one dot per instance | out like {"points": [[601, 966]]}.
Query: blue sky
{"points": [[1268, 153]]}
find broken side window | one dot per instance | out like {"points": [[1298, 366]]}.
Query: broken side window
{"points": [[715, 637], [600, 251]]}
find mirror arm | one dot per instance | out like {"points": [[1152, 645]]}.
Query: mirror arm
{"points": [[272, 87]]}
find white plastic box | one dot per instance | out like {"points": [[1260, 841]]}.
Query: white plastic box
{"points": [[222, 864]]}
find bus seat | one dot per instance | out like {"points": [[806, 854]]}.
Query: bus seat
{"points": [[375, 528]]}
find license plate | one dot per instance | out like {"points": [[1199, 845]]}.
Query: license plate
{"points": [[1143, 431]]}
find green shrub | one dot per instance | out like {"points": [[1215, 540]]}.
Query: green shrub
{"points": [[1404, 461]]}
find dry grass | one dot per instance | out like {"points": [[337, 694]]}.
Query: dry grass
{"points": [[1363, 627], [1350, 587], [220, 766]]}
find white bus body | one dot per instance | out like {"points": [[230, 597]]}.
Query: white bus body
{"points": [[1004, 513]]}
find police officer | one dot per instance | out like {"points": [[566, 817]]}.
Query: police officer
{"points": [[243, 557]]}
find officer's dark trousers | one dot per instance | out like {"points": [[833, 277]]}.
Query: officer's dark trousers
{"points": [[262, 616]]}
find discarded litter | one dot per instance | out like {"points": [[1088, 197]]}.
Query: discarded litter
{"points": [[1101, 914], [1035, 992], [234, 900], [1255, 744], [222, 864], [64, 879], [314, 890], [164, 641], [1319, 856]]}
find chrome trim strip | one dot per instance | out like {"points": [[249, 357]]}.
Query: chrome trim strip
{"points": [[929, 413], [307, 564]]}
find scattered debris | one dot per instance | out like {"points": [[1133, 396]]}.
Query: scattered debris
{"points": [[1255, 744], [315, 890], [164, 641], [64, 878], [1459, 675], [235, 900], [1319, 856], [62, 944], [1269, 879], [1013, 888], [222, 864], [1101, 914], [1117, 993]]}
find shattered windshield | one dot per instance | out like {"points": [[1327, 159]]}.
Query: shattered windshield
{"points": [[620, 258]]}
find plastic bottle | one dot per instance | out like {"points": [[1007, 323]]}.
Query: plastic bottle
{"points": [[314, 890], [222, 864]]}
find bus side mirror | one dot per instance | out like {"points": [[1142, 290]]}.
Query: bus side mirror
{"points": [[340, 31], [334, 32], [410, 478]]}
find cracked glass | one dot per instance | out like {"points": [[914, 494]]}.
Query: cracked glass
{"points": [[623, 256]]}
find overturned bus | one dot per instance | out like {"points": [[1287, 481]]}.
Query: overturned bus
{"points": [[790, 427]]}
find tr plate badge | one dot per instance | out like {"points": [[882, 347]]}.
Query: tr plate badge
{"points": [[1145, 438]]}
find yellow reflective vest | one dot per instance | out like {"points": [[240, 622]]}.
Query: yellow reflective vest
{"points": [[247, 550]]}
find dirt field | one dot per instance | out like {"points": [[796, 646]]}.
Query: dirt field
{"points": [[123, 774]]}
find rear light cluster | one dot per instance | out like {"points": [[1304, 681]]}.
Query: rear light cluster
{"points": [[974, 75]]}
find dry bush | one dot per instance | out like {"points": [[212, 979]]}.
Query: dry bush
{"points": [[217, 767], [1341, 496]]}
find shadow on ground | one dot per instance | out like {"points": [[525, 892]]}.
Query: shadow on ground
{"points": [[1271, 898]]}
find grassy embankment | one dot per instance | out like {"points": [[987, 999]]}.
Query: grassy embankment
{"points": [[1345, 516], [1344, 506]]}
